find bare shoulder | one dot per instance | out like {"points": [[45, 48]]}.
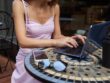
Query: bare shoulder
{"points": [[17, 2], [57, 9], [17, 6]]}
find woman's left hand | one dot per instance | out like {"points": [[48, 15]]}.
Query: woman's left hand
{"points": [[79, 38]]}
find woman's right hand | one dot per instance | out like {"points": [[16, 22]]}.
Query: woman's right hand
{"points": [[66, 42]]}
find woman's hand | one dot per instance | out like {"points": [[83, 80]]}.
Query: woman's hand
{"points": [[79, 38], [67, 41]]}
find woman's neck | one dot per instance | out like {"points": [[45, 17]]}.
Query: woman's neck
{"points": [[38, 4]]}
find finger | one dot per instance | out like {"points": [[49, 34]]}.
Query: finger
{"points": [[81, 38], [74, 37], [73, 43], [85, 37], [69, 45]]}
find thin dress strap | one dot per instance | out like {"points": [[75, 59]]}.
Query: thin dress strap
{"points": [[25, 11]]}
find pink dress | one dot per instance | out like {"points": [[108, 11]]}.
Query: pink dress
{"points": [[37, 31]]}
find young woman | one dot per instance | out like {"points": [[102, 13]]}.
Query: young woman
{"points": [[37, 26]]}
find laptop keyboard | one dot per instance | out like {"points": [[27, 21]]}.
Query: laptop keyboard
{"points": [[81, 52]]}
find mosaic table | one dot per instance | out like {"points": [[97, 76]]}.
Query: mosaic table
{"points": [[87, 70]]}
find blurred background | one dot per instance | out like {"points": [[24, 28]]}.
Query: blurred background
{"points": [[76, 18]]}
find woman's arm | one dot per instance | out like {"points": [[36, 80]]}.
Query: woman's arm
{"points": [[57, 32], [24, 41]]}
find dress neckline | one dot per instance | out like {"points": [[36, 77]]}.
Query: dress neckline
{"points": [[37, 22]]}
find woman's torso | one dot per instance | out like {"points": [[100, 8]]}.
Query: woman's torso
{"points": [[36, 30]]}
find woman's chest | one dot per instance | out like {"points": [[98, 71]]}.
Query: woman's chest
{"points": [[36, 28], [40, 16]]}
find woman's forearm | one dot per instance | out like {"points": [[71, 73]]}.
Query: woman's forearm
{"points": [[58, 36], [37, 43]]}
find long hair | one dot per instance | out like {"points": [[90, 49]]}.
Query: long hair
{"points": [[51, 3]]}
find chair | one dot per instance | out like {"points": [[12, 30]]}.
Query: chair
{"points": [[6, 37]]}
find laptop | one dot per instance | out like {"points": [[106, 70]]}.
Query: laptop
{"points": [[95, 37]]}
